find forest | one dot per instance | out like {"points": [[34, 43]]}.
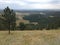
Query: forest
{"points": [[45, 20]]}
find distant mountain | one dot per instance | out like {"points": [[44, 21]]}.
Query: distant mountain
{"points": [[36, 10], [46, 11]]}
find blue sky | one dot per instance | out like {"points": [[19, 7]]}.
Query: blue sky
{"points": [[30, 4]]}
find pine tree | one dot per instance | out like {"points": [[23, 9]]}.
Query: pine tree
{"points": [[10, 19]]}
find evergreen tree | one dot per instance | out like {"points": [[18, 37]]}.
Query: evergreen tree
{"points": [[22, 26], [10, 19]]}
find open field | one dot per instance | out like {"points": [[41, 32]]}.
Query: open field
{"points": [[45, 37]]}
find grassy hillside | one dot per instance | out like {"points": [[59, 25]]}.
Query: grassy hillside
{"points": [[45, 37]]}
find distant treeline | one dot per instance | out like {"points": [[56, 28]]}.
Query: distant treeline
{"points": [[45, 21]]}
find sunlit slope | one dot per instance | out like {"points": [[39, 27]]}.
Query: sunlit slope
{"points": [[45, 37]]}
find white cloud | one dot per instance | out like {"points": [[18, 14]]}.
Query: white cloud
{"points": [[44, 6], [32, 4], [38, 1], [12, 1]]}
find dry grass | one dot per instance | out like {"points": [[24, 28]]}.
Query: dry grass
{"points": [[51, 37]]}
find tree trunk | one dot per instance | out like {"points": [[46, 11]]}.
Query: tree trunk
{"points": [[9, 31], [9, 27]]}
